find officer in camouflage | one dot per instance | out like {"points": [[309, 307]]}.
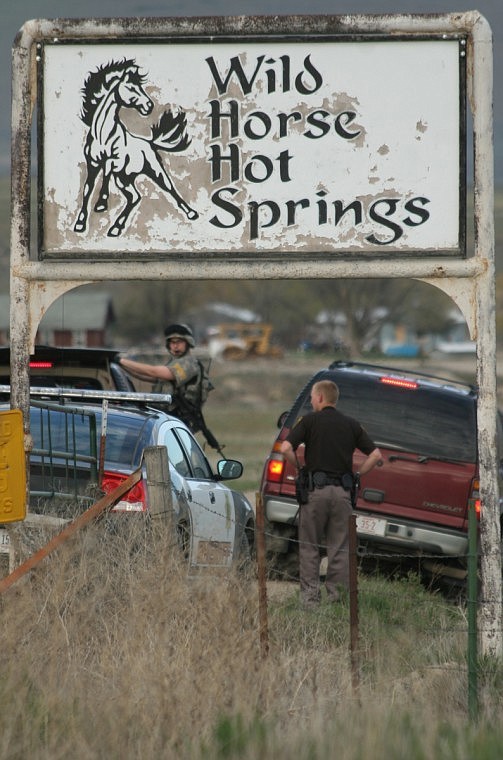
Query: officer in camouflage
{"points": [[181, 376]]}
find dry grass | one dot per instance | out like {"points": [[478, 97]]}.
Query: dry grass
{"points": [[110, 650]]}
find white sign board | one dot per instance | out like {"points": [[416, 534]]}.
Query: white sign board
{"points": [[332, 147]]}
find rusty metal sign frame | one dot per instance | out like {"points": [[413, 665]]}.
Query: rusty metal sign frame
{"points": [[34, 285]]}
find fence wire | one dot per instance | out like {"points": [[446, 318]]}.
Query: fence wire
{"points": [[390, 561]]}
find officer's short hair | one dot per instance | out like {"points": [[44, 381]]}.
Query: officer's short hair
{"points": [[329, 389]]}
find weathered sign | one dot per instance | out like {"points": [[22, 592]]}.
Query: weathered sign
{"points": [[12, 467], [319, 145]]}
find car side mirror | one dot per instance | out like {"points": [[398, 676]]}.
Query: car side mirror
{"points": [[229, 469]]}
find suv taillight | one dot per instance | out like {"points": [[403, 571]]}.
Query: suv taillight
{"points": [[399, 382], [474, 500], [275, 468], [133, 501]]}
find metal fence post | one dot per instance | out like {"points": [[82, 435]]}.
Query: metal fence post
{"points": [[353, 603], [261, 572], [472, 613]]}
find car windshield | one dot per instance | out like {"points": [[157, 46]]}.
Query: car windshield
{"points": [[423, 420], [71, 430]]}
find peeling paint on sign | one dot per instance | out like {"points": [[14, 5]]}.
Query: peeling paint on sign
{"points": [[251, 147]]}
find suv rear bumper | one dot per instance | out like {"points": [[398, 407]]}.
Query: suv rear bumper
{"points": [[388, 533], [407, 536], [278, 510]]}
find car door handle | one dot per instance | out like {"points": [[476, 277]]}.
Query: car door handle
{"points": [[373, 495], [212, 497]]}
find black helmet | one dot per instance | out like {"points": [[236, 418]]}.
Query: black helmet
{"points": [[180, 331]]}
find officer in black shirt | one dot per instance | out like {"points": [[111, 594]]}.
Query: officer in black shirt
{"points": [[330, 439]]}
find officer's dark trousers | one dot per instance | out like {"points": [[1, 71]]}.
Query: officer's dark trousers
{"points": [[325, 515]]}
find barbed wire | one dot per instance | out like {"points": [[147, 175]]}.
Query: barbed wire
{"points": [[274, 561], [389, 557], [455, 625]]}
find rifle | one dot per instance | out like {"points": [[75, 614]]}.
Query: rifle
{"points": [[193, 417], [209, 435]]}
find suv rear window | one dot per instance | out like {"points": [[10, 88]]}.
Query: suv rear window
{"points": [[69, 431], [423, 420]]}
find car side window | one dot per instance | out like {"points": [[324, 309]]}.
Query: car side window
{"points": [[198, 462], [176, 454]]}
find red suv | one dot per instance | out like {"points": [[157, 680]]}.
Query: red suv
{"points": [[416, 504]]}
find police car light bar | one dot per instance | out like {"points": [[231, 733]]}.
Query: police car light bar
{"points": [[84, 394]]}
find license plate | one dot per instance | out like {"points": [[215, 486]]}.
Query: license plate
{"points": [[4, 538], [372, 526]]}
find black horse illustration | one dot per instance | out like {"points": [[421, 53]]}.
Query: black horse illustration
{"points": [[115, 152]]}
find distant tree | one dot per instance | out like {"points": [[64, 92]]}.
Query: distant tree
{"points": [[368, 304], [286, 304], [143, 309]]}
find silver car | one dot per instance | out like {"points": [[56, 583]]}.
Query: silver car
{"points": [[87, 438]]}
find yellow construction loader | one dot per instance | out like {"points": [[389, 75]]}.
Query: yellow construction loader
{"points": [[237, 341]]}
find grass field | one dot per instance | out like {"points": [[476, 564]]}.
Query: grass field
{"points": [[113, 652]]}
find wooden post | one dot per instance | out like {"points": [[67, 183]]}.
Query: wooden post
{"points": [[261, 573], [160, 496]]}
